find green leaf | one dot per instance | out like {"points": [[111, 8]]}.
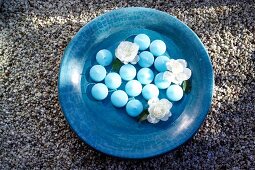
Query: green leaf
{"points": [[143, 116], [186, 86], [116, 65]]}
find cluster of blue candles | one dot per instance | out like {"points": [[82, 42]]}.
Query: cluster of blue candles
{"points": [[151, 53]]}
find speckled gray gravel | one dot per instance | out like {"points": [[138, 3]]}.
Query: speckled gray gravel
{"points": [[33, 131]]}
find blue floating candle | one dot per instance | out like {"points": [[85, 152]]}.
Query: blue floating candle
{"points": [[104, 57], [161, 82], [160, 63], [150, 91], [112, 80], [97, 73], [119, 98], [174, 92], [99, 91], [133, 88], [127, 72], [146, 59], [157, 47], [134, 108], [145, 76], [143, 41]]}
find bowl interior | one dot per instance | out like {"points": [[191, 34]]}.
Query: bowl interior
{"points": [[111, 130]]}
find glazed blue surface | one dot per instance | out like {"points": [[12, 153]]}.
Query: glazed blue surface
{"points": [[111, 130]]}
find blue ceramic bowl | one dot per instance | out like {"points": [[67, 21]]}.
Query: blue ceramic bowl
{"points": [[110, 130]]}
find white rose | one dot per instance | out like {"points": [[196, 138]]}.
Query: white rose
{"points": [[178, 71], [159, 110], [126, 52]]}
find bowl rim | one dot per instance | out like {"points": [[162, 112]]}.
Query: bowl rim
{"points": [[190, 32]]}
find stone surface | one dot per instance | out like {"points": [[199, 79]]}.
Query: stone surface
{"points": [[33, 131]]}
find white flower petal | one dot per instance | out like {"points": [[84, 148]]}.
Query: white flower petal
{"points": [[167, 75], [126, 51], [136, 59], [169, 114], [166, 103], [150, 109], [170, 64], [177, 67], [152, 119], [187, 72], [179, 82], [165, 118], [181, 76], [184, 75], [158, 112], [183, 62], [176, 81]]}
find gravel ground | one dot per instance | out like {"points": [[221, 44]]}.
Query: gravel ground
{"points": [[33, 131]]}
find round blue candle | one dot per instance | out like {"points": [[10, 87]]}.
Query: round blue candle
{"points": [[119, 98], [174, 93], [134, 108], [145, 76], [150, 91], [133, 88], [157, 47], [160, 82], [112, 80], [97, 73], [99, 91], [127, 72], [146, 59], [104, 57], [143, 41], [160, 63]]}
